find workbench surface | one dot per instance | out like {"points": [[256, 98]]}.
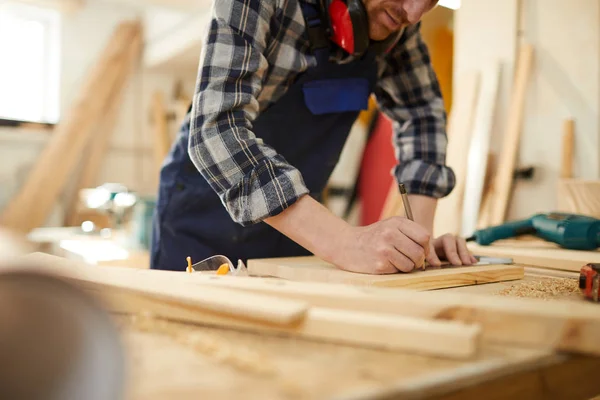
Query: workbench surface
{"points": [[172, 360]]}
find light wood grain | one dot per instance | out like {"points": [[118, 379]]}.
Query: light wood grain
{"points": [[312, 269], [568, 142], [35, 200], [544, 257], [539, 324], [162, 368], [479, 146], [182, 300], [579, 196], [508, 158], [95, 153], [162, 140], [536, 323], [449, 210]]}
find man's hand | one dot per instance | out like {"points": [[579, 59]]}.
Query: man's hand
{"points": [[447, 247], [450, 248], [385, 247]]}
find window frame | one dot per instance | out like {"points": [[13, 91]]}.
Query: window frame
{"points": [[51, 91]]}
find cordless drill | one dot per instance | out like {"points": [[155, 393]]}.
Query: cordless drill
{"points": [[569, 231]]}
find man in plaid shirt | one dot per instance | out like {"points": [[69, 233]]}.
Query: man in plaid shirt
{"points": [[279, 85]]}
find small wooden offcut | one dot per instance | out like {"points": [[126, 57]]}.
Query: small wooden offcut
{"points": [[312, 269]]}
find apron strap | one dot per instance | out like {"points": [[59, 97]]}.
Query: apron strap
{"points": [[316, 27]]}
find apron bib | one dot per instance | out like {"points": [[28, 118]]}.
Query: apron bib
{"points": [[308, 126]]}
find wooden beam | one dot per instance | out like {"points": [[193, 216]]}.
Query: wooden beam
{"points": [[550, 257], [535, 323], [566, 168], [94, 156], [183, 301], [448, 216], [34, 202], [508, 158], [312, 269], [63, 6], [160, 126]]}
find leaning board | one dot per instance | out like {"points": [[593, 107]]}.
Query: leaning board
{"points": [[313, 269]]}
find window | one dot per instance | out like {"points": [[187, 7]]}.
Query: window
{"points": [[29, 63]]}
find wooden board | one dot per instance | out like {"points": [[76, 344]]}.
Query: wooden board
{"points": [[193, 362], [479, 147], [460, 121], [544, 256], [181, 300], [561, 325], [503, 182], [94, 156], [579, 196], [37, 197], [162, 139], [312, 269], [566, 166]]}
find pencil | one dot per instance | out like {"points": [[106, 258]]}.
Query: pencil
{"points": [[407, 210]]}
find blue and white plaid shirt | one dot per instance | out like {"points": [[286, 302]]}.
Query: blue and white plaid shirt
{"points": [[252, 51]]}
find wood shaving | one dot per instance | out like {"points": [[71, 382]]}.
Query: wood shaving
{"points": [[224, 352], [543, 289]]}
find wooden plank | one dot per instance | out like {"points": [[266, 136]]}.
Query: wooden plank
{"points": [[68, 7], [508, 158], [35, 200], [579, 196], [536, 323], [165, 360], [449, 209], [566, 168], [183, 301], [488, 191], [97, 147], [479, 148], [162, 140], [539, 324], [312, 269], [544, 257]]}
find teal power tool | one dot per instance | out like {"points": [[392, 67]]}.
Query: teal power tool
{"points": [[570, 231]]}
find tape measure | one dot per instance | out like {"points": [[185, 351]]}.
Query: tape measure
{"points": [[589, 281]]}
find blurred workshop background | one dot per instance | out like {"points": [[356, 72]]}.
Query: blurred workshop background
{"points": [[83, 135]]}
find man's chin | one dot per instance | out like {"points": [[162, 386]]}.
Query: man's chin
{"points": [[378, 33]]}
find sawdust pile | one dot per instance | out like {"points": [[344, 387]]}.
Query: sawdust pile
{"points": [[544, 289], [211, 346]]}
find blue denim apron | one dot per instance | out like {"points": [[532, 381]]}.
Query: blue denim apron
{"points": [[309, 126]]}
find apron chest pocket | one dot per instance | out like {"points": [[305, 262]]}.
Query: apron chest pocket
{"points": [[336, 95]]}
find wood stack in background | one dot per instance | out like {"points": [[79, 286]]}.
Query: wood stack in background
{"points": [[573, 195], [482, 195], [82, 135]]}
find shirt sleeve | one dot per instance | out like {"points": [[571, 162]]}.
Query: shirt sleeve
{"points": [[252, 180], [408, 92]]}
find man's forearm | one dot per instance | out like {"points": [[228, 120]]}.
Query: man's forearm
{"points": [[311, 225], [423, 209]]}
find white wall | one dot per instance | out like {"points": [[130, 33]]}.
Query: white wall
{"points": [[130, 160], [565, 83]]}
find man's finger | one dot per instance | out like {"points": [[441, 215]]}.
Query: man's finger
{"points": [[401, 262], [415, 232], [410, 249], [463, 251], [433, 258], [451, 251]]}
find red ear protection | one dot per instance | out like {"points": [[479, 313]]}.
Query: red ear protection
{"points": [[349, 25]]}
